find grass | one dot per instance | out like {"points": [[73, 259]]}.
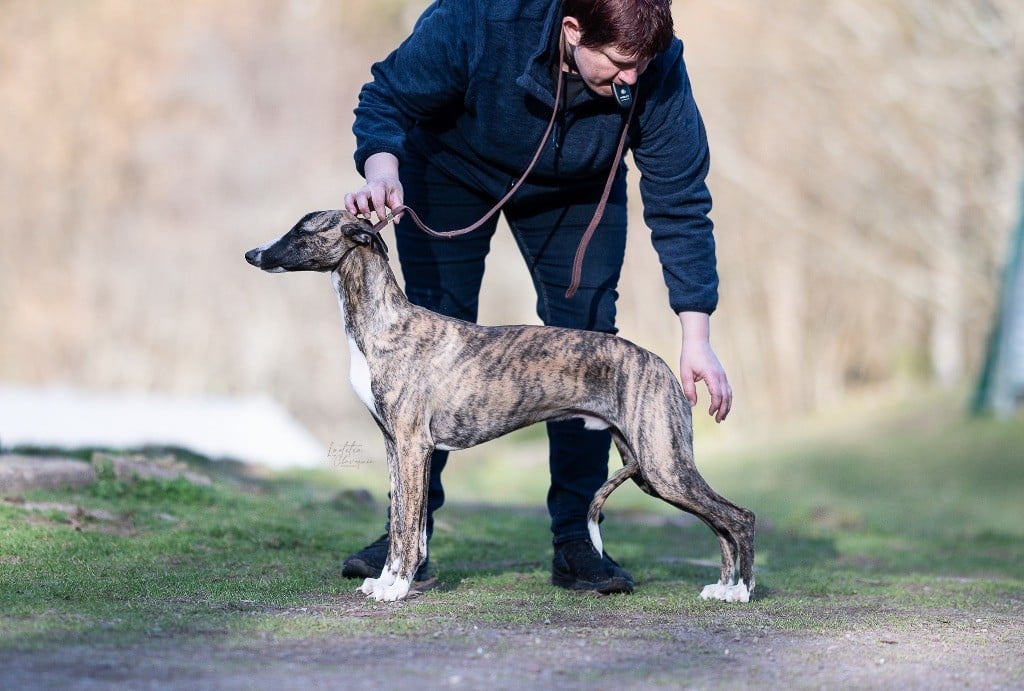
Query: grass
{"points": [[909, 518]]}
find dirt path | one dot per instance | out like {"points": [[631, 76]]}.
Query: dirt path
{"points": [[949, 650]]}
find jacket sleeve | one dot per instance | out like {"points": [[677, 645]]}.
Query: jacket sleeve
{"points": [[426, 75], [672, 155]]}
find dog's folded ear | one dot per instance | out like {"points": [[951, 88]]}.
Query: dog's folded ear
{"points": [[362, 234], [359, 233]]}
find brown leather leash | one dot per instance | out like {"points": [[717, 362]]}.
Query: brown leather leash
{"points": [[588, 234]]}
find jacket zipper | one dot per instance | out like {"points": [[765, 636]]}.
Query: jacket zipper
{"points": [[558, 133]]}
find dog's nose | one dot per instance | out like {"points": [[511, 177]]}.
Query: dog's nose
{"points": [[254, 256]]}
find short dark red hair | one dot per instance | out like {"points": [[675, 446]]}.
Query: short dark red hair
{"points": [[639, 28]]}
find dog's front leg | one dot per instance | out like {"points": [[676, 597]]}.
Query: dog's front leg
{"points": [[409, 468]]}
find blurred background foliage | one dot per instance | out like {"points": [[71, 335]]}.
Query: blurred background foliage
{"points": [[867, 159]]}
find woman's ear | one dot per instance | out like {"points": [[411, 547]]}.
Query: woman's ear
{"points": [[571, 31]]}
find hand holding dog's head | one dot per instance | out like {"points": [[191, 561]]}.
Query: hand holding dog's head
{"points": [[316, 243]]}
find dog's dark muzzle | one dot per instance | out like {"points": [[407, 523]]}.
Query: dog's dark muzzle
{"points": [[262, 260], [254, 257]]}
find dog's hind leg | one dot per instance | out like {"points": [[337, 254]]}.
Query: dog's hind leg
{"points": [[733, 526], [679, 483], [409, 467]]}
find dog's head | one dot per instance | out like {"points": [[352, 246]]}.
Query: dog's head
{"points": [[316, 243]]}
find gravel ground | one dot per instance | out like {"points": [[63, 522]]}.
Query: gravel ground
{"points": [[950, 652]]}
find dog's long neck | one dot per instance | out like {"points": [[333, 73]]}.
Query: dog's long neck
{"points": [[370, 298]]}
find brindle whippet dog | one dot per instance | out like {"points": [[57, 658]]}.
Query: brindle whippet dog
{"points": [[432, 382]]}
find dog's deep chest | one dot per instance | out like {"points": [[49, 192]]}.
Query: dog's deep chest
{"points": [[359, 376], [359, 369]]}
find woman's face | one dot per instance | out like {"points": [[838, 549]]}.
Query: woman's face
{"points": [[602, 66]]}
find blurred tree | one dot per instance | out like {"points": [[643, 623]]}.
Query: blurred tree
{"points": [[866, 156], [865, 161], [1001, 385]]}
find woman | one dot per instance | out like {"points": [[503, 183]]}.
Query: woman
{"points": [[449, 123]]}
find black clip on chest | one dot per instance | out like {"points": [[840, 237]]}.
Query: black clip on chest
{"points": [[623, 95]]}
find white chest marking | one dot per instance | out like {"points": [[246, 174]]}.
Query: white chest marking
{"points": [[359, 369], [359, 376]]}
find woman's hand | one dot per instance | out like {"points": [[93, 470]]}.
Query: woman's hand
{"points": [[382, 191], [698, 362]]}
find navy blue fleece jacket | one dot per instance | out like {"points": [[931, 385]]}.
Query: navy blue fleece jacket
{"points": [[473, 88]]}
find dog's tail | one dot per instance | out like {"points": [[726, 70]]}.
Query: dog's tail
{"points": [[594, 514]]}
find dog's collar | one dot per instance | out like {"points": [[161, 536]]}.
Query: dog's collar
{"points": [[376, 244]]}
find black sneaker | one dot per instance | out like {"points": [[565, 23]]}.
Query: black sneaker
{"points": [[578, 566], [369, 562]]}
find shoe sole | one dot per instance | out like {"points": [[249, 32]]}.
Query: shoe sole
{"points": [[610, 586], [357, 568]]}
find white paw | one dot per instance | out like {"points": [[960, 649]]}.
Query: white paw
{"points": [[373, 586], [387, 588], [367, 587], [737, 593], [714, 591], [396, 591], [726, 592]]}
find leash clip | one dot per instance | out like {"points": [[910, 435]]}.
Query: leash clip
{"points": [[383, 223]]}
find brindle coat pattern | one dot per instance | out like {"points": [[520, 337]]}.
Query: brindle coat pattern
{"points": [[431, 381]]}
